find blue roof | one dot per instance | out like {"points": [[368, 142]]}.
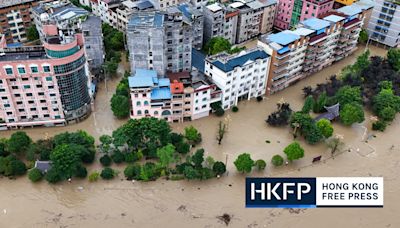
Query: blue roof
{"points": [[147, 19], [145, 5], [163, 82], [283, 50], [198, 60], [160, 93], [315, 23], [240, 60], [184, 8], [143, 78], [334, 18], [350, 10], [283, 38], [12, 45]]}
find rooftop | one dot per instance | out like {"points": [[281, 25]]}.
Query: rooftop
{"points": [[315, 23], [8, 3], [334, 18], [350, 10], [303, 31], [198, 60], [142, 78], [148, 19], [239, 60], [283, 38], [161, 93], [23, 53], [214, 7], [43, 166]]}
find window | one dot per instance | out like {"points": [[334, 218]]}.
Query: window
{"points": [[31, 102], [138, 103], [49, 79], [42, 101], [46, 69], [146, 112], [46, 115], [29, 94], [27, 86], [33, 109], [139, 112], [21, 70], [146, 103], [155, 113], [44, 108], [34, 69], [204, 99], [9, 71], [41, 94]]}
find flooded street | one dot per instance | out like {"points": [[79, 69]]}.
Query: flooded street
{"points": [[120, 203]]}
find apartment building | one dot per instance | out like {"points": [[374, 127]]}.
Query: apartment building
{"points": [[164, 4], [384, 25], [105, 9], [195, 19], [315, 44], [289, 13], [173, 99], [15, 18], [127, 8], [159, 41], [239, 21], [239, 76], [44, 85], [70, 20], [220, 21]]}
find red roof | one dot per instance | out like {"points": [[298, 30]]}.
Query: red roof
{"points": [[176, 87]]}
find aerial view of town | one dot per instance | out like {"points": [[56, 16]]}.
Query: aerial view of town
{"points": [[156, 113]]}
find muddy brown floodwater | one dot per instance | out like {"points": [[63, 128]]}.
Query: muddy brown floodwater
{"points": [[120, 203]]}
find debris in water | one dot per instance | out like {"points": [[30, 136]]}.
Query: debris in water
{"points": [[181, 208], [226, 218], [230, 185], [267, 141], [5, 211], [80, 188], [123, 214]]}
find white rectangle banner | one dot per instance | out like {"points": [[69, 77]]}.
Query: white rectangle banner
{"points": [[349, 191]]}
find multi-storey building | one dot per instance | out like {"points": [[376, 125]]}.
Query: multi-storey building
{"points": [[220, 21], [172, 99], [239, 76], [315, 44], [239, 21], [159, 41], [127, 8], [289, 13], [384, 25], [195, 19], [15, 18], [44, 85], [69, 20]]}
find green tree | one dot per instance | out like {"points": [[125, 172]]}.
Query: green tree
{"points": [[385, 104], [363, 38], [32, 33], [19, 143], [94, 176], [166, 155], [120, 106], [308, 104], [105, 160], [334, 143], [182, 148], [35, 175], [148, 172], [277, 160], [118, 157], [216, 45], [107, 173], [3, 147], [53, 176], [352, 113], [244, 163], [198, 158], [65, 160], [81, 172], [260, 164], [221, 131], [319, 104], [325, 127], [190, 173], [219, 168], [192, 135], [294, 151], [209, 162], [122, 89], [132, 172], [348, 95], [393, 56], [106, 142]]}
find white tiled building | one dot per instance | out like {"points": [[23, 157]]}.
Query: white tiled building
{"points": [[239, 76]]}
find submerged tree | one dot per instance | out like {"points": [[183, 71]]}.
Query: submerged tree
{"points": [[280, 117], [334, 143], [221, 131]]}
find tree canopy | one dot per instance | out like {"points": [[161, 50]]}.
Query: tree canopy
{"points": [[294, 151], [244, 163]]}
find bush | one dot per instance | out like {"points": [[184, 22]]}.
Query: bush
{"points": [[133, 157], [81, 172], [325, 127], [352, 113], [94, 177], [35, 175], [235, 109], [259, 98], [182, 148], [107, 173], [118, 157], [277, 160], [53, 176], [294, 151], [260, 164], [379, 125], [219, 112], [387, 114], [132, 172], [244, 163], [105, 160], [219, 168]]}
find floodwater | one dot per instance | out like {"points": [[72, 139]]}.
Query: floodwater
{"points": [[121, 203]]}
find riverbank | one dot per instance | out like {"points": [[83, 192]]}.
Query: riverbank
{"points": [[122, 203]]}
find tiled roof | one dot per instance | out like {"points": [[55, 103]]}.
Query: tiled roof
{"points": [[240, 60], [142, 78]]}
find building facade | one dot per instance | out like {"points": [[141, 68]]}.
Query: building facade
{"points": [[44, 85], [384, 25], [15, 19], [289, 13], [315, 44], [159, 41], [240, 76]]}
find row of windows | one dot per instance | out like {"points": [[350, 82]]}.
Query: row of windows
{"points": [[35, 117], [62, 54], [69, 66], [22, 70]]}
